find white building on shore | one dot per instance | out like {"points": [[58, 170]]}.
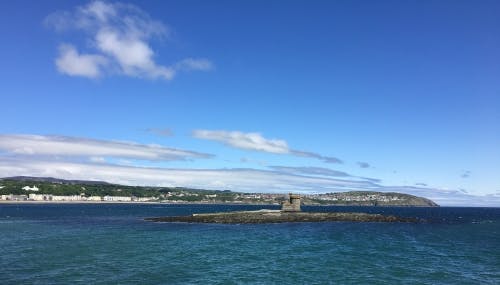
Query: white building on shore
{"points": [[40, 197], [144, 199], [117, 199], [94, 198], [74, 198], [68, 198]]}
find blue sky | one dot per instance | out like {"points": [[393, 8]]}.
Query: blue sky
{"points": [[256, 95]]}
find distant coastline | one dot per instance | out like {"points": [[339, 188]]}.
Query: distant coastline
{"points": [[193, 203], [52, 190]]}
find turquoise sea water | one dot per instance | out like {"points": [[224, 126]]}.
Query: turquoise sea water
{"points": [[111, 244]]}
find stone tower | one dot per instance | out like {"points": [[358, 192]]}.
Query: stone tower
{"points": [[292, 204]]}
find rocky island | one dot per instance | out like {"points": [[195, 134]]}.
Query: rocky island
{"points": [[290, 212]]}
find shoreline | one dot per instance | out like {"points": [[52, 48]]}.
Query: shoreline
{"points": [[126, 202], [76, 202], [194, 203], [191, 203]]}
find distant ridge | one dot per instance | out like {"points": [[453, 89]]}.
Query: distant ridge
{"points": [[54, 180]]}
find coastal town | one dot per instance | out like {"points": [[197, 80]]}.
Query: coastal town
{"points": [[180, 196], [74, 198]]}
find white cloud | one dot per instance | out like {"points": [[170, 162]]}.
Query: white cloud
{"points": [[133, 54], [310, 170], [120, 35], [89, 159], [256, 142], [100, 10], [250, 180], [70, 62], [62, 146], [194, 64], [250, 141]]}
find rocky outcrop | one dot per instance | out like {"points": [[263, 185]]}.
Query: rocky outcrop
{"points": [[276, 216]]}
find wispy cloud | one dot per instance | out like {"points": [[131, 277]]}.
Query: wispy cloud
{"points": [[466, 174], [321, 171], [96, 150], [120, 38], [117, 162], [363, 164], [327, 159], [250, 160], [244, 180], [164, 132], [309, 170], [256, 142], [189, 64], [249, 141]]}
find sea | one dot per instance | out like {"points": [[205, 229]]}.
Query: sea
{"points": [[112, 244]]}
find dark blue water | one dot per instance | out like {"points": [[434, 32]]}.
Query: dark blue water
{"points": [[111, 244]]}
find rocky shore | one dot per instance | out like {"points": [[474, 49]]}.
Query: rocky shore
{"points": [[276, 216]]}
